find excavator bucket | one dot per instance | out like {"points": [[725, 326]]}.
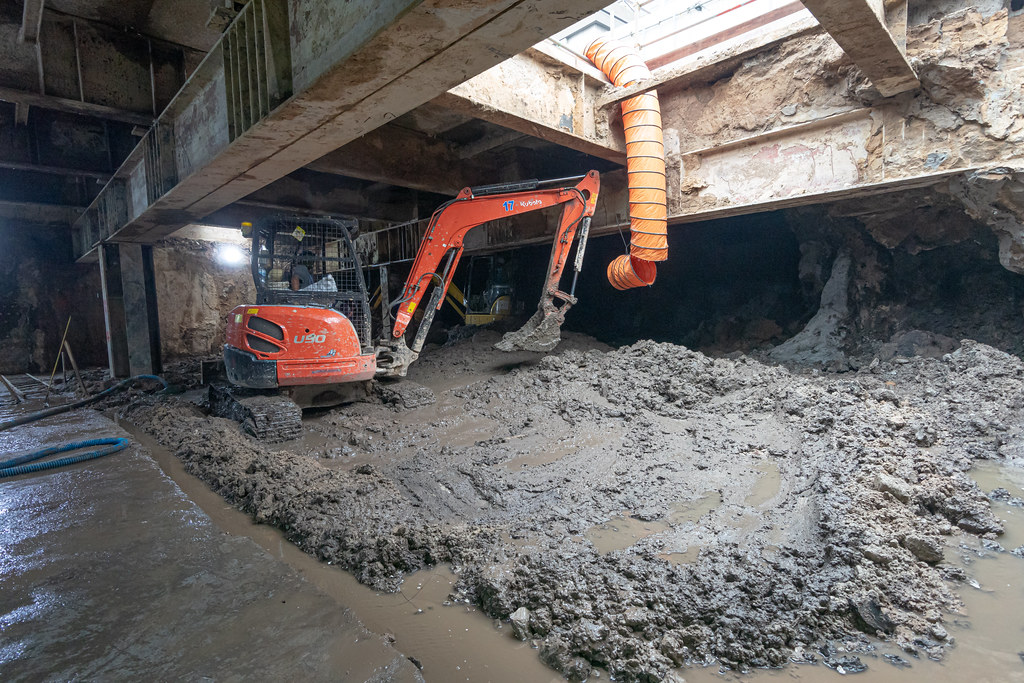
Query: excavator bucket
{"points": [[543, 331]]}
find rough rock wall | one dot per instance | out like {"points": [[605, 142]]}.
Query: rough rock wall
{"points": [[40, 287], [831, 284], [909, 276], [966, 110], [194, 295]]}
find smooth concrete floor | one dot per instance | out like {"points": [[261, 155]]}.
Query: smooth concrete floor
{"points": [[109, 572]]}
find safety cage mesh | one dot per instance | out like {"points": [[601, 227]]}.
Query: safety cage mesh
{"points": [[311, 262]]}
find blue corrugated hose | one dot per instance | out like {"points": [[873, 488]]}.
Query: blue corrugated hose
{"points": [[14, 467]]}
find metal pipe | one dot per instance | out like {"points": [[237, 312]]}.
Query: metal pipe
{"points": [[78, 61], [562, 181], [105, 292], [15, 392]]}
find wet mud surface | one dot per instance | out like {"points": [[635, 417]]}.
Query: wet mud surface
{"points": [[649, 507], [109, 572]]}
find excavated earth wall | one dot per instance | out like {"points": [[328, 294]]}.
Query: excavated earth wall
{"points": [[195, 293], [963, 120], [647, 507]]}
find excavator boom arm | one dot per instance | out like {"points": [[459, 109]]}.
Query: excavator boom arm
{"points": [[451, 222]]}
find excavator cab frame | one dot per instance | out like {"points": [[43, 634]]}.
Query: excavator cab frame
{"points": [[321, 256]]}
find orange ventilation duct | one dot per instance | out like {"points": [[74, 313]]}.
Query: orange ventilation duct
{"points": [[645, 165]]}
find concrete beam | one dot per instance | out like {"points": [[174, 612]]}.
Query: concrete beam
{"points": [[341, 71], [873, 33], [433, 120], [536, 95], [401, 157], [26, 99], [474, 149]]}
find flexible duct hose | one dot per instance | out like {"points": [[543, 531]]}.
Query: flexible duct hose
{"points": [[14, 467], [645, 166], [57, 410]]}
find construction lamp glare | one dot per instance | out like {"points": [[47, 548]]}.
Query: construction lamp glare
{"points": [[230, 255]]}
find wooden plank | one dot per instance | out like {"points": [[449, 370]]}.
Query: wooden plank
{"points": [[14, 391]]}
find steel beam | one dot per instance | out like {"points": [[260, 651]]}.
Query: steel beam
{"points": [[140, 309], [54, 170], [873, 33], [113, 310], [26, 98], [351, 67], [401, 157]]}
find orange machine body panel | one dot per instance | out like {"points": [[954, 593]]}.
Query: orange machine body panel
{"points": [[307, 344]]}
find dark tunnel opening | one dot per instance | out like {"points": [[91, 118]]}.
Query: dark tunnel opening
{"points": [[750, 283], [729, 284]]}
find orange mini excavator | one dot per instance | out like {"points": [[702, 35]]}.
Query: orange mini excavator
{"points": [[308, 342]]}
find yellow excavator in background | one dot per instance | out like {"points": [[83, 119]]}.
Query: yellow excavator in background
{"points": [[489, 295]]}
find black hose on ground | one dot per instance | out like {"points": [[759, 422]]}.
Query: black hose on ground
{"points": [[14, 466], [57, 410]]}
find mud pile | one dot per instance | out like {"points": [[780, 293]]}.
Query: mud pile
{"points": [[774, 515]]}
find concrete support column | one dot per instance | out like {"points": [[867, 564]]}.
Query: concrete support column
{"points": [[113, 310], [130, 310]]}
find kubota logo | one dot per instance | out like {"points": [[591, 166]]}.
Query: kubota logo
{"points": [[311, 338]]}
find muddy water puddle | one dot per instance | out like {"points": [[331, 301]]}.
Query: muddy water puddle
{"points": [[622, 532], [767, 485], [550, 453], [452, 642]]}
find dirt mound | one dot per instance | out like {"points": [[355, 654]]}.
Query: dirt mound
{"points": [[774, 513]]}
